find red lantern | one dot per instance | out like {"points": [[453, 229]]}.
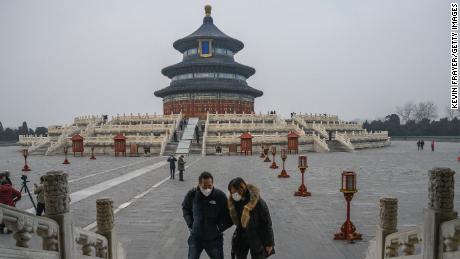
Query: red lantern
{"points": [[262, 155], [92, 154], [273, 165], [348, 188], [25, 153], [283, 173], [267, 159], [302, 192], [66, 161]]}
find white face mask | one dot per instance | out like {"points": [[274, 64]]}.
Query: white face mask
{"points": [[205, 192], [236, 196]]}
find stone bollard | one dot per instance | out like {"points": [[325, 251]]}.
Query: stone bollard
{"points": [[57, 204], [388, 221], [105, 226], [440, 209]]}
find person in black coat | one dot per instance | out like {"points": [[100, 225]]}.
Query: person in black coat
{"points": [[172, 165], [250, 214], [206, 215]]}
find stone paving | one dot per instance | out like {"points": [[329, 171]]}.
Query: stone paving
{"points": [[151, 226]]}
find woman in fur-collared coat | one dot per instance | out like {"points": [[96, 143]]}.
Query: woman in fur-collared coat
{"points": [[249, 212]]}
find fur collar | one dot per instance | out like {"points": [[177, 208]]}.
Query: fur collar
{"points": [[254, 196]]}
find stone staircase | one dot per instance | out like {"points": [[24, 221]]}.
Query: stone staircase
{"points": [[336, 146], [186, 145]]}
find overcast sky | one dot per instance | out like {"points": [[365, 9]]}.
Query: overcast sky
{"points": [[355, 58]]}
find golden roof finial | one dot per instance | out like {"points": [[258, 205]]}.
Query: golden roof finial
{"points": [[207, 10]]}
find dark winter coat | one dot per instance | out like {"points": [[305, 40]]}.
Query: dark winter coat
{"points": [[172, 162], [181, 164], [206, 217], [252, 219]]}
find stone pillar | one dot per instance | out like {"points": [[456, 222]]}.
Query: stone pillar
{"points": [[440, 209], [105, 226], [57, 203], [388, 221]]}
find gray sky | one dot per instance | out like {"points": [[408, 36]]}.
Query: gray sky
{"points": [[356, 58]]}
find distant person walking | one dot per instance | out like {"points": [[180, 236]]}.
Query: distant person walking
{"points": [[432, 145], [422, 143], [181, 167], [172, 165], [418, 144], [206, 215], [40, 192], [250, 214], [197, 134], [8, 196]]}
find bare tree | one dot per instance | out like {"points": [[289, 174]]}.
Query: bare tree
{"points": [[425, 110], [451, 113], [406, 112]]}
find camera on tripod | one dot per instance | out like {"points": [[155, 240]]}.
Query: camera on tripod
{"points": [[24, 178]]}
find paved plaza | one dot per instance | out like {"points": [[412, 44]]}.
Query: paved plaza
{"points": [[149, 216]]}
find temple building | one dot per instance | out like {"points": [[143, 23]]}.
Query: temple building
{"points": [[209, 89], [208, 78]]}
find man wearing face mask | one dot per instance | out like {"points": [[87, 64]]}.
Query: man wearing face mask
{"points": [[206, 215]]}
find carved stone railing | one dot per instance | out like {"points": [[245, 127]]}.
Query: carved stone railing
{"points": [[320, 144], [84, 120], [92, 244], [344, 140], [343, 126], [130, 139], [316, 127], [450, 233], [147, 118], [164, 143], [366, 136], [318, 117], [256, 127], [437, 238], [31, 140], [24, 225], [137, 128], [205, 135], [246, 118], [403, 244], [63, 139]]}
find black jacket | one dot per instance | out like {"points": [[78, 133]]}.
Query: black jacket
{"points": [[206, 217], [172, 162], [253, 222]]}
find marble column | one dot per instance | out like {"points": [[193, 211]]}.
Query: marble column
{"points": [[440, 209]]}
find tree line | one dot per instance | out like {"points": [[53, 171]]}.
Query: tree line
{"points": [[12, 134], [418, 120]]}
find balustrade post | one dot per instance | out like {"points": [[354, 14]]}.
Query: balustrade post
{"points": [[440, 209], [388, 220], [57, 203], [105, 225]]}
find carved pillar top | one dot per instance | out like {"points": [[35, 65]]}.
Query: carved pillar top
{"points": [[441, 189], [388, 213], [57, 199], [104, 216]]}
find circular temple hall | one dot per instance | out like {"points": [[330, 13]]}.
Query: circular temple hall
{"points": [[208, 79]]}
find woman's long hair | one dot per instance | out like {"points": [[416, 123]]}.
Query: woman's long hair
{"points": [[238, 184]]}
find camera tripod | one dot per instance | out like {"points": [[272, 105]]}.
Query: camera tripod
{"points": [[26, 190]]}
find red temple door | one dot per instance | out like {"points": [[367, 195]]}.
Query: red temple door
{"points": [[246, 143], [293, 142], [77, 144]]}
